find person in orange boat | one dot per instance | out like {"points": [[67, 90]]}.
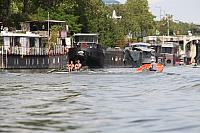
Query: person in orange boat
{"points": [[153, 66], [157, 67]]}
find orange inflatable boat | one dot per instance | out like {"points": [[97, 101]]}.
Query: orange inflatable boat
{"points": [[146, 67]]}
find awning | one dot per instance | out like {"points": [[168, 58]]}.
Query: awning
{"points": [[11, 34], [144, 49]]}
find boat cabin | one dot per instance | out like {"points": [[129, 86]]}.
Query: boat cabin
{"points": [[85, 40], [138, 54], [168, 55], [20, 43], [146, 52], [46, 28]]}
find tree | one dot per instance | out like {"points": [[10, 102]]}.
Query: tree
{"points": [[137, 19], [6, 11]]}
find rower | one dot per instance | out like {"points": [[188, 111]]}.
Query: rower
{"points": [[153, 66]]}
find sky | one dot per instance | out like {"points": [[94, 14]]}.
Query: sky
{"points": [[182, 10]]}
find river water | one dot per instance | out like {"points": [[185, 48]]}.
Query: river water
{"points": [[101, 101]]}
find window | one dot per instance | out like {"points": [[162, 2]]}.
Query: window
{"points": [[167, 50], [188, 47], [16, 41], [17, 61], [181, 45], [1, 41], [32, 61], [58, 60], [43, 61], [32, 42], [37, 61]]}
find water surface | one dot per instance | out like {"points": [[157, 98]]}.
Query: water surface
{"points": [[101, 101]]}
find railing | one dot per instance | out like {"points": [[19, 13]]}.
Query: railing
{"points": [[56, 50], [4, 58]]}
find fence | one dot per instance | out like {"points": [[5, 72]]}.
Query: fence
{"points": [[56, 50]]}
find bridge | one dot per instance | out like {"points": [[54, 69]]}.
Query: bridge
{"points": [[189, 49], [188, 46]]}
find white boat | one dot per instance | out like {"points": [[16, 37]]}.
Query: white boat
{"points": [[138, 54]]}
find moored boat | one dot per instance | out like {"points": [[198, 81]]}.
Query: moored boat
{"points": [[147, 67], [87, 49], [138, 54], [31, 47]]}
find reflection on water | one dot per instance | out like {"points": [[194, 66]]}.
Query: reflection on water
{"points": [[99, 101]]}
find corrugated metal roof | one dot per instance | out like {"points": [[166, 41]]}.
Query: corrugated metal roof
{"points": [[144, 49]]}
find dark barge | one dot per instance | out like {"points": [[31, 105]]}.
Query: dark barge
{"points": [[87, 49]]}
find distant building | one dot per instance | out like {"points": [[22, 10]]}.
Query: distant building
{"points": [[111, 2], [184, 49]]}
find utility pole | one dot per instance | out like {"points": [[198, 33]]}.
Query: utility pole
{"points": [[167, 24], [48, 31], [160, 16], [2, 56]]}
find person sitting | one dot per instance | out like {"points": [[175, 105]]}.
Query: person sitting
{"points": [[78, 66], [153, 66], [70, 66]]}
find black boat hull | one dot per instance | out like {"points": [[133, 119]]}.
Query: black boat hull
{"points": [[90, 57], [99, 58]]}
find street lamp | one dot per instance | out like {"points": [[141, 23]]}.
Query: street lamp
{"points": [[167, 18], [160, 9]]}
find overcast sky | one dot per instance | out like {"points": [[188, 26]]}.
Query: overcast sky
{"points": [[182, 10]]}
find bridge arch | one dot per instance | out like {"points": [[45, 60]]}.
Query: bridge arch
{"points": [[192, 51]]}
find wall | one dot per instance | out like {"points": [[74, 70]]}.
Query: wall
{"points": [[35, 62], [114, 59]]}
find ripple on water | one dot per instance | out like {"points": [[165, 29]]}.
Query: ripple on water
{"points": [[179, 128], [144, 120], [104, 101]]}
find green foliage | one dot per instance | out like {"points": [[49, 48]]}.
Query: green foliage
{"points": [[93, 16], [137, 18], [176, 27], [54, 34]]}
